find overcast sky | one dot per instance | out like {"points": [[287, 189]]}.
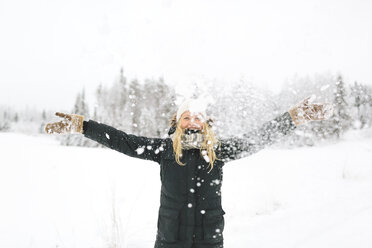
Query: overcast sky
{"points": [[50, 50]]}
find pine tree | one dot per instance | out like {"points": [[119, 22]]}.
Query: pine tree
{"points": [[43, 122], [80, 108], [135, 98], [16, 118], [368, 106], [159, 105], [357, 94], [4, 123], [122, 111], [341, 118]]}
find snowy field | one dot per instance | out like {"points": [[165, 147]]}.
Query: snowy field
{"points": [[70, 197]]}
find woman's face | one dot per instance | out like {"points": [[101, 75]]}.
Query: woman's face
{"points": [[188, 121]]}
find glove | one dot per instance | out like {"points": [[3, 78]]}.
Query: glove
{"points": [[69, 124], [304, 111]]}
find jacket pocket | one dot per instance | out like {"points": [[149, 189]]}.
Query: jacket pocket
{"points": [[213, 224], [168, 224]]}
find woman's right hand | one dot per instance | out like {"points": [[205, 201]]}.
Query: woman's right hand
{"points": [[70, 124]]}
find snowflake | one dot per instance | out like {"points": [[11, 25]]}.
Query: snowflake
{"points": [[140, 150], [216, 181], [206, 158]]}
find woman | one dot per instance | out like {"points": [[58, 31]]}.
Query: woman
{"points": [[191, 161]]}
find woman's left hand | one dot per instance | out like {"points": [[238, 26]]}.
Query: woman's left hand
{"points": [[304, 111]]}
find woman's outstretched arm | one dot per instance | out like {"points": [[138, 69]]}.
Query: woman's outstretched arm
{"points": [[131, 145], [256, 140], [273, 130]]}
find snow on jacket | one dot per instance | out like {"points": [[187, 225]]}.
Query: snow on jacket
{"points": [[190, 212]]}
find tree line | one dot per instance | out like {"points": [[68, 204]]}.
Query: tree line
{"points": [[145, 108]]}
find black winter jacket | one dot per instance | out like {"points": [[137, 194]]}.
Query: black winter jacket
{"points": [[190, 213]]}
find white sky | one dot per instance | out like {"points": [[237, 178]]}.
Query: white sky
{"points": [[50, 50]]}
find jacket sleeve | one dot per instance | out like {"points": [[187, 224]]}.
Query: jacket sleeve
{"points": [[131, 145], [256, 140]]}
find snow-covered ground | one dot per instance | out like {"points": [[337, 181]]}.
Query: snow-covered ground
{"points": [[54, 196]]}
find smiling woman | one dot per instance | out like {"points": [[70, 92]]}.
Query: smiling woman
{"points": [[191, 160], [192, 130]]}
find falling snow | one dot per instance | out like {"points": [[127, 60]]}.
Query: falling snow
{"points": [[323, 88], [216, 181], [206, 158], [140, 150]]}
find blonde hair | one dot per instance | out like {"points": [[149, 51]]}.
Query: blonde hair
{"points": [[208, 145]]}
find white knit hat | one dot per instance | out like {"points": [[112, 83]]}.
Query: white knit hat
{"points": [[192, 105]]}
